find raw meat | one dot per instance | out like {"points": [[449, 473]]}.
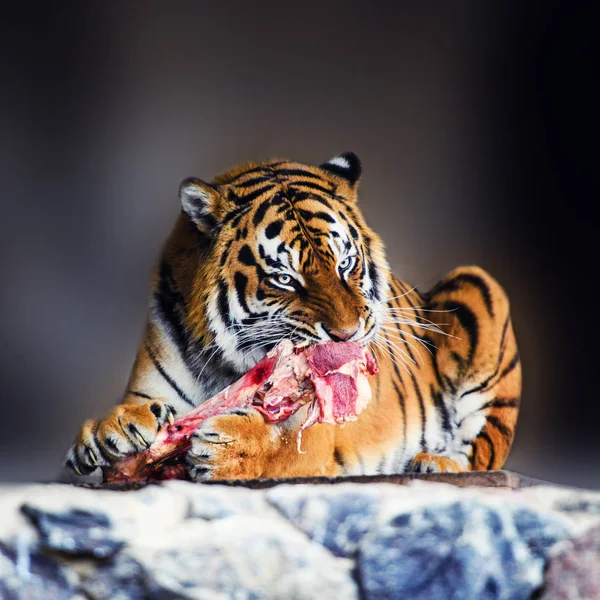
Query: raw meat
{"points": [[330, 377]]}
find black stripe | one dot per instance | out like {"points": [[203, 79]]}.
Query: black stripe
{"points": [[256, 193], [255, 317], [454, 284], [235, 215], [339, 459], [440, 405], [241, 281], [485, 383], [246, 256], [273, 229], [433, 349], [259, 169], [457, 358], [473, 456], [421, 408], [234, 198], [504, 330], [312, 186], [403, 408], [225, 254], [299, 173], [450, 385], [138, 394], [235, 222], [510, 367], [305, 328], [260, 213], [308, 215], [501, 427], [166, 377], [317, 232], [468, 322], [171, 307], [484, 436], [375, 280], [223, 303], [252, 181], [501, 403]]}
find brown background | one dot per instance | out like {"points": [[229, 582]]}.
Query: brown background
{"points": [[472, 119]]}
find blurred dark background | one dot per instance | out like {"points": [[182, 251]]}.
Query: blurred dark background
{"points": [[474, 121]]}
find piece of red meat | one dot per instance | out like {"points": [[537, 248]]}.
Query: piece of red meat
{"points": [[330, 377]]}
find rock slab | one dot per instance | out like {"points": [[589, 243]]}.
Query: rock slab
{"points": [[186, 540]]}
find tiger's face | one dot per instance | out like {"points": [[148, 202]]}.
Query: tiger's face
{"points": [[290, 256]]}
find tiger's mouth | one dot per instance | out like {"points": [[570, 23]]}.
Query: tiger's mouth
{"points": [[302, 335], [364, 341]]}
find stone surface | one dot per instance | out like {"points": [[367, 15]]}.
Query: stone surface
{"points": [[185, 540], [25, 573], [251, 558], [337, 518], [574, 572], [217, 502], [75, 531], [469, 550]]}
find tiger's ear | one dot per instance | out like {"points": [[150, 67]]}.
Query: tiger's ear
{"points": [[200, 201], [346, 166]]}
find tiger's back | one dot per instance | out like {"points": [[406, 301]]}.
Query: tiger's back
{"points": [[449, 383]]}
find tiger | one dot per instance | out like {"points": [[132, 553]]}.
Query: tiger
{"points": [[278, 250]]}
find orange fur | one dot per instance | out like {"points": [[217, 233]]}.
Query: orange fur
{"points": [[447, 394]]}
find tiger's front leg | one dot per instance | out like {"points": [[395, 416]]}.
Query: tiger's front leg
{"points": [[240, 444]]}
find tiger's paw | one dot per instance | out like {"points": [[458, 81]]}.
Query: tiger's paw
{"points": [[433, 463], [128, 429], [235, 445]]}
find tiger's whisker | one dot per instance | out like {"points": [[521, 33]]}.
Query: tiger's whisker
{"points": [[379, 341], [393, 332]]}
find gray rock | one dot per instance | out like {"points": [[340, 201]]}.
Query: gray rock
{"points": [[336, 517], [120, 578], [244, 558], [574, 572], [464, 550], [75, 532], [183, 540], [220, 501], [579, 503], [27, 574]]}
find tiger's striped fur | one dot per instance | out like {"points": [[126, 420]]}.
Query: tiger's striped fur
{"points": [[280, 249]]}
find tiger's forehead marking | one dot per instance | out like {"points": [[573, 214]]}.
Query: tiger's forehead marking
{"points": [[277, 254], [300, 234], [296, 215]]}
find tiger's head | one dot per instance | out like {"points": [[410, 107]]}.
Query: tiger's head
{"points": [[288, 255]]}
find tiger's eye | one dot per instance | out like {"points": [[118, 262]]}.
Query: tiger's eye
{"points": [[345, 263], [284, 279]]}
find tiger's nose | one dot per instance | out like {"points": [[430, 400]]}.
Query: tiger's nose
{"points": [[341, 335]]}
